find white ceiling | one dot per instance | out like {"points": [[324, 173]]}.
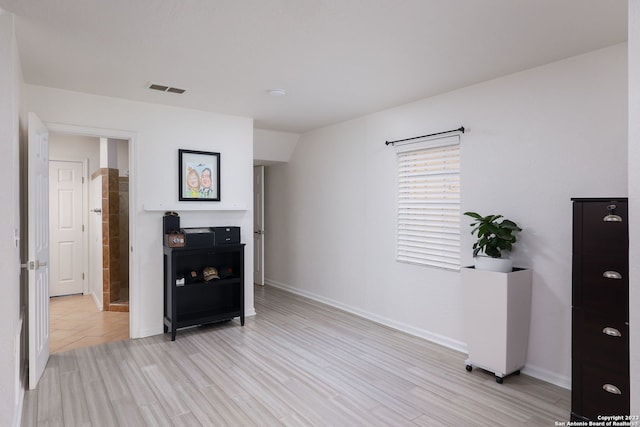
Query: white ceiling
{"points": [[336, 59]]}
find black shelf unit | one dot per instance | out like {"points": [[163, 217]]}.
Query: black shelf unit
{"points": [[198, 302], [600, 309]]}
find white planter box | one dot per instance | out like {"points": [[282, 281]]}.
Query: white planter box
{"points": [[497, 316]]}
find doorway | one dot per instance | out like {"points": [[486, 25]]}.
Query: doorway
{"points": [[258, 225], [109, 200], [103, 211]]}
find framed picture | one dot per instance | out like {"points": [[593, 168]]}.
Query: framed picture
{"points": [[198, 176]]}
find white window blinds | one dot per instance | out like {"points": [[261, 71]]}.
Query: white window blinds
{"points": [[429, 202]]}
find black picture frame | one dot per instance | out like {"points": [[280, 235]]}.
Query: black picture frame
{"points": [[194, 167]]}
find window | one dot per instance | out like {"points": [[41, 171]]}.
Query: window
{"points": [[429, 202]]}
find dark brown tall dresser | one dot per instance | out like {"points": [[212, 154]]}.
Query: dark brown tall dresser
{"points": [[600, 313]]}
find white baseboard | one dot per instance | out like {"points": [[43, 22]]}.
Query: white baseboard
{"points": [[149, 332], [159, 331], [403, 327], [548, 376], [98, 300], [533, 371]]}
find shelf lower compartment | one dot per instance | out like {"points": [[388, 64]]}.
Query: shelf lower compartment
{"points": [[205, 298], [201, 317]]}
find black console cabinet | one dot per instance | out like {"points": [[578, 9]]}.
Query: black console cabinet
{"points": [[600, 312], [197, 301]]}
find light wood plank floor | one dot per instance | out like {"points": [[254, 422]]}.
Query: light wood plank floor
{"points": [[76, 322], [296, 363]]}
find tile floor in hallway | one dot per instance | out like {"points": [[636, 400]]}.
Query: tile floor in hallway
{"points": [[75, 322]]}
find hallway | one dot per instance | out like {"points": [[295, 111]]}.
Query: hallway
{"points": [[75, 322]]}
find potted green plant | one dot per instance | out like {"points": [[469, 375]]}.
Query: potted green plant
{"points": [[495, 235]]}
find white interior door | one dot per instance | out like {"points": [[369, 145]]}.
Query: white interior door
{"points": [[65, 222], [38, 247], [258, 225]]}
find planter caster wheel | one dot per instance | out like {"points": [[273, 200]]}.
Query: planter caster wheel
{"points": [[517, 372], [469, 368], [499, 380]]}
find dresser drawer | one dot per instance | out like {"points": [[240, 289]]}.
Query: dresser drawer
{"points": [[600, 313], [601, 339], [601, 282], [594, 235], [601, 392]]}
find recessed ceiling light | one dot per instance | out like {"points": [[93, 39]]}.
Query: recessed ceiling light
{"points": [[277, 92]]}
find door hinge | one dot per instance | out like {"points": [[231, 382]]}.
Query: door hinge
{"points": [[83, 228], [82, 276]]}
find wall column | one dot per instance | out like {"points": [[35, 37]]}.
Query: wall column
{"points": [[110, 225]]}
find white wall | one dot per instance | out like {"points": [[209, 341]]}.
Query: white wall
{"points": [[157, 133], [272, 146], [123, 157], [64, 146], [10, 303], [634, 201], [535, 140]]}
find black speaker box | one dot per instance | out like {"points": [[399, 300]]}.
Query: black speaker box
{"points": [[170, 222], [227, 235]]}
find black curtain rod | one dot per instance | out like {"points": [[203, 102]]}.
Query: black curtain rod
{"points": [[460, 129]]}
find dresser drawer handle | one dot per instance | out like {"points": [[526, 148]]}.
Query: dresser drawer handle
{"points": [[611, 275], [612, 332], [612, 218], [610, 388]]}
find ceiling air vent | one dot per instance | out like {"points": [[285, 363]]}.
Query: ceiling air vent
{"points": [[163, 88], [176, 90]]}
